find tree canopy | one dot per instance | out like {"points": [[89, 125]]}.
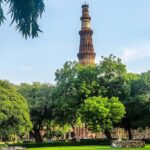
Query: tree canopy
{"points": [[41, 105], [14, 112], [140, 101], [75, 83], [100, 114], [25, 14]]}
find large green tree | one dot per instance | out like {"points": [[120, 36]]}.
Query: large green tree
{"points": [[66, 96], [41, 104], [129, 79], [116, 81], [14, 112], [74, 83], [100, 114], [25, 14], [138, 106]]}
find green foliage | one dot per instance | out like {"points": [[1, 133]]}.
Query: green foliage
{"points": [[39, 99], [54, 130], [101, 113], [115, 81], [112, 66], [88, 84], [142, 85], [112, 78], [25, 14], [138, 106], [14, 112], [41, 104], [74, 83], [65, 94], [2, 18], [65, 143]]}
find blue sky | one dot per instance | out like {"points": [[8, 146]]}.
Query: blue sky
{"points": [[121, 27]]}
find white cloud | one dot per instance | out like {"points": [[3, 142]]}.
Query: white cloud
{"points": [[140, 51]]}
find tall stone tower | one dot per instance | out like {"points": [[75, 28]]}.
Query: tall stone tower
{"points": [[86, 53]]}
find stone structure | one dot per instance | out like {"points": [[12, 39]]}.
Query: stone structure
{"points": [[86, 53], [128, 144], [141, 134], [13, 148], [83, 133]]}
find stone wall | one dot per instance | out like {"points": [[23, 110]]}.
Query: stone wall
{"points": [[141, 134], [116, 133], [128, 144], [13, 148]]}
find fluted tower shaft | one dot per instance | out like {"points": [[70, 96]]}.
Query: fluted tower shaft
{"points": [[86, 53]]}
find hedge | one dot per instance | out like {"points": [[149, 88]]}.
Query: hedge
{"points": [[64, 143]]}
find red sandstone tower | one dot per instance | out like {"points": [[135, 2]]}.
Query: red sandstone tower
{"points": [[86, 53]]}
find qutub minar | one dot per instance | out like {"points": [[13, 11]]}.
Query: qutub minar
{"points": [[86, 53]]}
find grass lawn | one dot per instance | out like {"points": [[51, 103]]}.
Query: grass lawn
{"points": [[86, 148]]}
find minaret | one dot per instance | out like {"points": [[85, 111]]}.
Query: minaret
{"points": [[86, 53]]}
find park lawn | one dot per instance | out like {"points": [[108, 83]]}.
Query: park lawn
{"points": [[86, 148]]}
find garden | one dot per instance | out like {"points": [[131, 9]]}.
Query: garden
{"points": [[89, 106]]}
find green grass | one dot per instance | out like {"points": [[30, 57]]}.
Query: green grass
{"points": [[86, 148]]}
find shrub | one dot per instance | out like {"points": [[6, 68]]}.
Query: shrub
{"points": [[64, 143]]}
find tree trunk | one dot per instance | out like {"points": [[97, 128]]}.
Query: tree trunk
{"points": [[5, 138], [126, 124], [73, 133], [130, 133], [37, 135], [108, 135]]}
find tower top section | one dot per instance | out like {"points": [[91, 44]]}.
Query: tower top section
{"points": [[85, 18], [85, 5]]}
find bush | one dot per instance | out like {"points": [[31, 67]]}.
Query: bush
{"points": [[64, 143], [147, 141], [3, 145], [94, 142]]}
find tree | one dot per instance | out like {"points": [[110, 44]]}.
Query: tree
{"points": [[39, 98], [132, 89], [138, 106], [115, 81], [66, 94], [100, 114], [112, 77], [14, 112], [25, 14], [74, 83], [130, 79]]}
